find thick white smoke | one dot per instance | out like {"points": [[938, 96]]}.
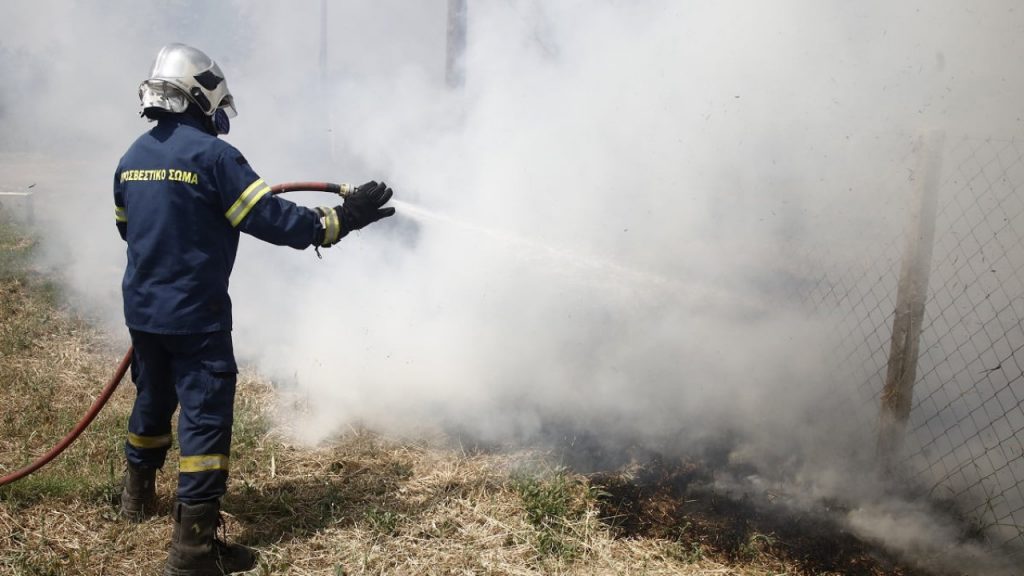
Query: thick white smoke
{"points": [[615, 195]]}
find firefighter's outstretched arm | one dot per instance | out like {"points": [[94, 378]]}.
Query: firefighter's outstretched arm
{"points": [[251, 208]]}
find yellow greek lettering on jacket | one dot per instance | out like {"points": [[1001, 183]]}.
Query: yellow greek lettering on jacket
{"points": [[151, 175], [183, 176]]}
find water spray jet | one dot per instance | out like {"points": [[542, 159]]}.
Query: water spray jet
{"points": [[624, 276]]}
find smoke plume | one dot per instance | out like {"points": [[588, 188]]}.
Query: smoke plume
{"points": [[606, 228]]}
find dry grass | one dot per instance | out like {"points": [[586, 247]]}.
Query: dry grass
{"points": [[363, 504]]}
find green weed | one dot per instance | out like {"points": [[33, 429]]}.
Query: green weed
{"points": [[553, 503], [382, 521]]}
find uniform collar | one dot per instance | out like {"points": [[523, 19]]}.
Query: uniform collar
{"points": [[184, 118]]}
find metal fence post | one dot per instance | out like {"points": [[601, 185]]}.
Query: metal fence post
{"points": [[898, 394], [30, 208], [455, 71]]}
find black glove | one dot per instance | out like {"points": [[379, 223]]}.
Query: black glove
{"points": [[361, 208]]}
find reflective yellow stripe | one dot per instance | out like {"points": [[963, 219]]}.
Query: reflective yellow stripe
{"points": [[252, 202], [246, 200], [203, 463], [333, 227], [119, 214], [149, 441]]}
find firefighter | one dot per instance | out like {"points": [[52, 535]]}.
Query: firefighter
{"points": [[181, 198]]}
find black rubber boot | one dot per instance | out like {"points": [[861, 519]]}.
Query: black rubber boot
{"points": [[195, 548], [138, 496]]}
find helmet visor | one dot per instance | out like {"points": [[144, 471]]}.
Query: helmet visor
{"points": [[162, 94]]}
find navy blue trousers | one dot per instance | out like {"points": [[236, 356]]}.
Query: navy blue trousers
{"points": [[197, 372]]}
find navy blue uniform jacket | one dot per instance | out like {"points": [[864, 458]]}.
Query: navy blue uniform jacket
{"points": [[181, 197]]}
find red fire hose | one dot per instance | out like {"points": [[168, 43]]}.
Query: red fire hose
{"points": [[342, 190]]}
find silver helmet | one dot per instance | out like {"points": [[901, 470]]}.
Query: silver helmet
{"points": [[183, 74]]}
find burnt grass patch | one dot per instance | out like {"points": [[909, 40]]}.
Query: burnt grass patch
{"points": [[677, 501]]}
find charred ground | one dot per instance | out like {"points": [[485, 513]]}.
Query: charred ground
{"points": [[677, 501]]}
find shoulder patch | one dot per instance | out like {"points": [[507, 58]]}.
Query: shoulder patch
{"points": [[241, 160]]}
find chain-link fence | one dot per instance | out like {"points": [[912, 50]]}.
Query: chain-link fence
{"points": [[857, 291], [966, 429], [964, 439]]}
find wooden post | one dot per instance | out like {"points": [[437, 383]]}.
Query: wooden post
{"points": [[455, 69], [898, 394]]}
